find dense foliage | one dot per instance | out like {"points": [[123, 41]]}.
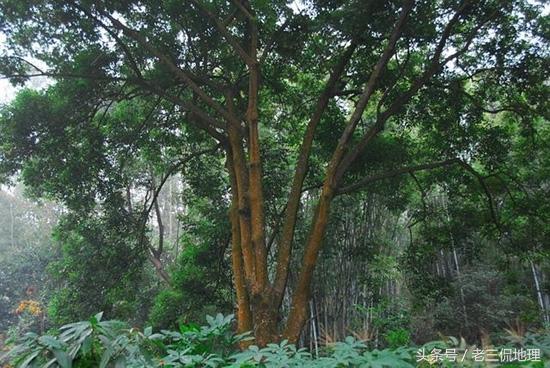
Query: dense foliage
{"points": [[97, 343]]}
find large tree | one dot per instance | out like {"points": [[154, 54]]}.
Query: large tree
{"points": [[345, 93]]}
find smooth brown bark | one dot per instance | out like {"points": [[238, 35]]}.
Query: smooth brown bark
{"points": [[301, 296], [298, 310], [244, 316], [255, 176], [240, 172], [265, 322], [291, 212]]}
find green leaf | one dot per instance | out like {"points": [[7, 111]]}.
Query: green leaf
{"points": [[63, 359], [50, 341], [86, 346], [106, 357], [29, 358], [148, 331]]}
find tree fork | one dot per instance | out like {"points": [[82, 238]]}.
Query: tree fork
{"points": [[298, 310], [259, 313], [291, 212]]}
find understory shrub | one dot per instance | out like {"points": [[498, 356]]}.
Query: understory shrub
{"points": [[97, 343]]}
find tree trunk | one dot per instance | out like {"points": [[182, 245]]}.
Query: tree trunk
{"points": [[244, 317], [298, 310]]}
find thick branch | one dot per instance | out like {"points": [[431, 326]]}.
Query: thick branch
{"points": [[63, 75], [180, 73], [429, 71], [428, 166], [298, 309], [248, 59], [237, 167], [244, 10], [204, 122], [133, 64], [371, 83], [390, 174], [481, 181], [244, 316], [291, 212], [255, 166]]}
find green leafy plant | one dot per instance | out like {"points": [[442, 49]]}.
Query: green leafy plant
{"points": [[103, 344], [398, 337]]}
